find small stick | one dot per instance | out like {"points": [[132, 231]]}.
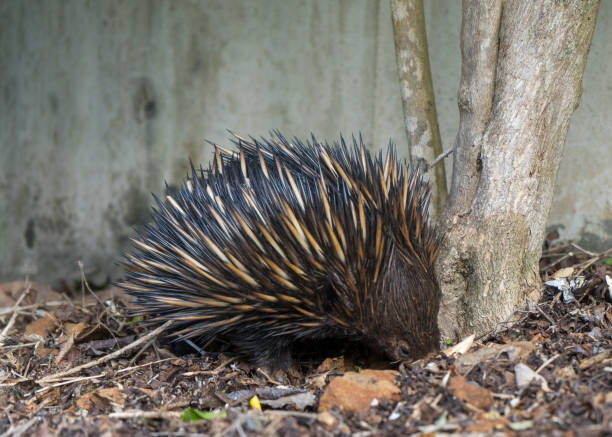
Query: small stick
{"points": [[547, 362], [18, 346], [551, 321], [268, 377], [215, 371], [127, 369], [592, 261], [19, 430], [13, 383], [134, 414], [70, 381], [583, 250], [83, 378], [138, 342], [554, 263], [53, 303], [441, 157], [144, 348], [85, 284], [11, 321]]}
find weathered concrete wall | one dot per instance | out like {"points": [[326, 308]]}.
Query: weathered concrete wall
{"points": [[583, 196], [102, 101]]}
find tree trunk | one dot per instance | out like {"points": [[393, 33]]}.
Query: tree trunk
{"points": [[417, 93], [520, 83]]}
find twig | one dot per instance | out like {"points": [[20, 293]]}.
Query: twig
{"points": [[70, 381], [17, 431], [551, 321], [441, 157], [547, 362], [239, 429], [127, 369], [592, 261], [8, 416], [268, 377], [135, 414], [291, 413], [215, 371], [583, 250], [156, 332], [554, 263], [83, 378], [18, 346], [144, 348], [85, 284], [11, 321], [53, 303], [524, 309], [13, 383], [179, 434]]}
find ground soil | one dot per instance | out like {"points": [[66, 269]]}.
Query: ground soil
{"points": [[72, 364]]}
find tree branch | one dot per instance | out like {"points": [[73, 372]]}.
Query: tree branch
{"points": [[417, 92]]}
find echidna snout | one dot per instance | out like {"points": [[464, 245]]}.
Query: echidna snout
{"points": [[406, 322]]}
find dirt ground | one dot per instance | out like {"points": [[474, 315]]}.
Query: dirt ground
{"points": [[72, 364]]}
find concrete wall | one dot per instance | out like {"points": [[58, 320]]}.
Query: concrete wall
{"points": [[100, 101]]}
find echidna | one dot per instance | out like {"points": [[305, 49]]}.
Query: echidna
{"points": [[289, 240]]}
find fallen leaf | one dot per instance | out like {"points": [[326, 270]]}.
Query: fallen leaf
{"points": [[40, 328], [71, 332], [67, 343], [74, 328], [330, 364], [470, 392], [191, 415], [146, 391], [566, 373], [91, 401], [254, 402], [563, 273], [460, 348], [69, 313], [524, 375], [113, 394]]}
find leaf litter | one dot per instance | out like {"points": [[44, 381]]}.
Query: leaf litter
{"points": [[74, 364]]}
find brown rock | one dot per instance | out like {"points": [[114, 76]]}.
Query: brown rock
{"points": [[356, 391]]}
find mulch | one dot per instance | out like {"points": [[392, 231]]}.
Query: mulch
{"points": [[74, 365]]}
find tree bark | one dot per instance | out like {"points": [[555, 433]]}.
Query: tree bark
{"points": [[521, 79], [417, 93]]}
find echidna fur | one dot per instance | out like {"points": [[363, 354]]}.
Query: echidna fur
{"points": [[289, 240]]}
